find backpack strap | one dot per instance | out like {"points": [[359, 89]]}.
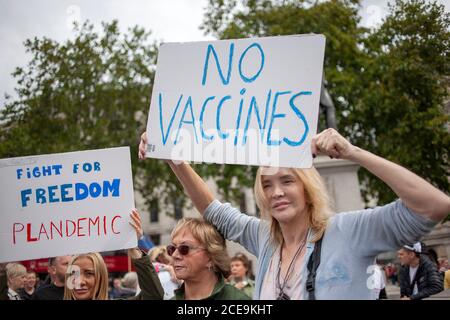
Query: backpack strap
{"points": [[313, 264]]}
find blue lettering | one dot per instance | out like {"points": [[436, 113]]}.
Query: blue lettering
{"points": [[274, 115], [238, 120], [219, 69], [302, 117], [244, 78], [19, 173], [47, 171], [81, 191], [24, 195], [36, 172], [111, 187], [164, 136], [219, 108], [188, 104], [51, 194], [64, 192], [40, 196], [95, 189], [247, 124], [87, 167], [57, 168], [204, 136]]}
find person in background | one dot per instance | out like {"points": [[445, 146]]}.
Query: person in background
{"points": [[240, 274], [130, 284], [162, 263], [29, 286], [57, 267], [16, 275], [419, 276]]}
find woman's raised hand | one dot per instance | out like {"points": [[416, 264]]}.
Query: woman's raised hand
{"points": [[331, 143]]}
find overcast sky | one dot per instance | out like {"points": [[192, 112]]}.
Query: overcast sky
{"points": [[169, 20]]}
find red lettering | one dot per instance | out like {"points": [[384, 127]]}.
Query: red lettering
{"points": [[67, 228], [15, 230], [41, 232], [29, 238], [80, 227], [94, 222], [53, 226], [112, 224]]}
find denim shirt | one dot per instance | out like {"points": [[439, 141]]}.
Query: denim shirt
{"points": [[350, 244]]}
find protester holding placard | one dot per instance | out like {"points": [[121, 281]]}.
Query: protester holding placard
{"points": [[296, 223]]}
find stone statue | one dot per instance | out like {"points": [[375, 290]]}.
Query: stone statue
{"points": [[327, 106]]}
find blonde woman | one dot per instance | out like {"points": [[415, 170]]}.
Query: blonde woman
{"points": [[296, 220], [87, 275]]}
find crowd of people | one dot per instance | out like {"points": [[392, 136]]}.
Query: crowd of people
{"points": [[302, 250]]}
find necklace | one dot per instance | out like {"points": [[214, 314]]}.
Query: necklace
{"points": [[282, 295]]}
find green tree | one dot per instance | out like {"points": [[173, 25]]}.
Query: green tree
{"points": [[400, 113], [388, 84], [87, 93]]}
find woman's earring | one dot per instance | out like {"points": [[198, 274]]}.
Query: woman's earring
{"points": [[210, 268]]}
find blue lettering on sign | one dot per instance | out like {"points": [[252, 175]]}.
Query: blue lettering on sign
{"points": [[70, 192], [210, 50], [246, 106], [299, 114], [204, 136], [188, 104], [274, 116], [165, 136], [251, 79]]}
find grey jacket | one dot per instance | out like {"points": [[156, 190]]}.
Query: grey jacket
{"points": [[350, 244]]}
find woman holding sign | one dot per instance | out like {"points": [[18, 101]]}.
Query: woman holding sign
{"points": [[304, 252], [87, 276]]}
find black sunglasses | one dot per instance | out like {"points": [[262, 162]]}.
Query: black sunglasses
{"points": [[183, 249]]}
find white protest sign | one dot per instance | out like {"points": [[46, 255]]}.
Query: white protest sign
{"points": [[67, 203], [248, 101]]}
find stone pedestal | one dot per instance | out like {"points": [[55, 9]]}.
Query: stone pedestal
{"points": [[342, 182]]}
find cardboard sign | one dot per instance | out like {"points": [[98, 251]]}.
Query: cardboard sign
{"points": [[64, 204], [247, 101]]}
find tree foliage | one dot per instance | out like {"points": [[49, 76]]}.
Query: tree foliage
{"points": [[388, 84], [90, 92]]}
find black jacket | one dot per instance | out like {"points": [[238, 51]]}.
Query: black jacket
{"points": [[428, 280]]}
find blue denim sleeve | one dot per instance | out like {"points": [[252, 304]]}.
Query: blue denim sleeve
{"points": [[234, 225], [382, 229]]}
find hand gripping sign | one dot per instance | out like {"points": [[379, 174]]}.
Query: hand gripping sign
{"points": [[67, 203], [247, 101]]}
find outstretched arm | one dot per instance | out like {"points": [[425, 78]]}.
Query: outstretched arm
{"points": [[193, 184], [416, 193], [151, 288]]}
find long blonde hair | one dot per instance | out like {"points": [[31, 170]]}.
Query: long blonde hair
{"points": [[210, 238], [100, 273], [317, 201]]}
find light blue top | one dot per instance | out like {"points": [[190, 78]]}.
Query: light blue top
{"points": [[350, 244]]}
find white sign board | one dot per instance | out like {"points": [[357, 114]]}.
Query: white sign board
{"points": [[67, 203], [248, 101]]}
